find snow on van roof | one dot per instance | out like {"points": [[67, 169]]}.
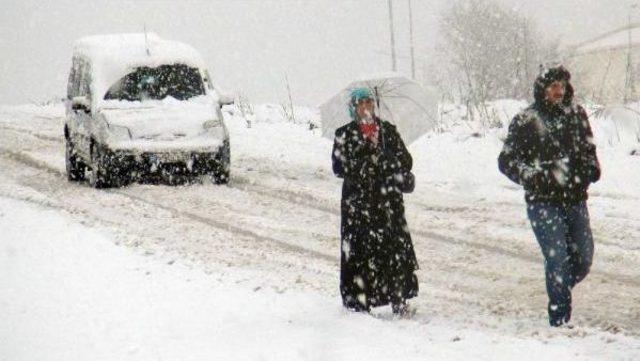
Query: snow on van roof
{"points": [[113, 56]]}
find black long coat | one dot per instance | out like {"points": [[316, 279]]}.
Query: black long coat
{"points": [[377, 256]]}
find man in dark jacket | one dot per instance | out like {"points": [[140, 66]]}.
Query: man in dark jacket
{"points": [[549, 150], [377, 256]]}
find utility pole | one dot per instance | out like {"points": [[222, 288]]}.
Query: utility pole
{"points": [[146, 43], [292, 113], [413, 57], [629, 86], [394, 65], [525, 31]]}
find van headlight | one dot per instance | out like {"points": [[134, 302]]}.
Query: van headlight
{"points": [[118, 132]]}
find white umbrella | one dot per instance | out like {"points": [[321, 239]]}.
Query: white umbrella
{"points": [[400, 101]]}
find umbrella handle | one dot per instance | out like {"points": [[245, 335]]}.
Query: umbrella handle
{"points": [[377, 95], [383, 145]]}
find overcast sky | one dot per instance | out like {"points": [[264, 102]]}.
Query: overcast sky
{"points": [[250, 45]]}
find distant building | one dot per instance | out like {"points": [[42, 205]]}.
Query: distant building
{"points": [[605, 69]]}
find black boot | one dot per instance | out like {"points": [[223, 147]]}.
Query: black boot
{"points": [[559, 315], [402, 309], [398, 308]]}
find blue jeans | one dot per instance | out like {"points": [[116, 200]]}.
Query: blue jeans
{"points": [[564, 235]]}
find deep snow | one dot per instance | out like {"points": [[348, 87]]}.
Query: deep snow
{"points": [[249, 271], [69, 293]]}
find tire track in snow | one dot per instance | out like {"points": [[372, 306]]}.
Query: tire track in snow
{"points": [[430, 235], [307, 200], [31, 161], [229, 250], [317, 204], [479, 216], [225, 226], [32, 133], [231, 228], [201, 219], [312, 201], [280, 194], [324, 205]]}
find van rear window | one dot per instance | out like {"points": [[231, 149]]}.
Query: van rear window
{"points": [[178, 81]]}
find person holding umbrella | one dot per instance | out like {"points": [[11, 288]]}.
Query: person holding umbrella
{"points": [[378, 261]]}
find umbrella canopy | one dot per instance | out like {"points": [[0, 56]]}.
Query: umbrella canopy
{"points": [[400, 101]]}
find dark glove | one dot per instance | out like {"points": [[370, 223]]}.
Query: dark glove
{"points": [[391, 167], [543, 181], [588, 175]]}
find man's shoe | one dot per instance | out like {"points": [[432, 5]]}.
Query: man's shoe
{"points": [[403, 310]]}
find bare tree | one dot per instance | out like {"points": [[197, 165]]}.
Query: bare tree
{"points": [[287, 108], [492, 52], [246, 108]]}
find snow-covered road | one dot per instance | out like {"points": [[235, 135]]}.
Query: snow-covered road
{"points": [[279, 218]]}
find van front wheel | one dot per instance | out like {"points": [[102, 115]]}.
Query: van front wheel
{"points": [[221, 174], [74, 166], [221, 167], [98, 173]]}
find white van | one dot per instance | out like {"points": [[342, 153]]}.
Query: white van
{"points": [[139, 106]]}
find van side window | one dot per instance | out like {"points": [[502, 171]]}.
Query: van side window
{"points": [[73, 85], [84, 88]]}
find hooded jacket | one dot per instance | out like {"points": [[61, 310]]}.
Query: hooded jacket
{"points": [[549, 149]]}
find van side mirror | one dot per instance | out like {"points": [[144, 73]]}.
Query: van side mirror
{"points": [[81, 103]]}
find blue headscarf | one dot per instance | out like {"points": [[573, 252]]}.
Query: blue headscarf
{"points": [[357, 95]]}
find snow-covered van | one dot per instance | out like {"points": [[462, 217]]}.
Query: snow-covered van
{"points": [[139, 106]]}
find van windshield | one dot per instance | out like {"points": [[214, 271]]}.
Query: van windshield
{"points": [[178, 81]]}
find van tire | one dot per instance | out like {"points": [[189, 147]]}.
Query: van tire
{"points": [[222, 164], [221, 174], [74, 166], [99, 176]]}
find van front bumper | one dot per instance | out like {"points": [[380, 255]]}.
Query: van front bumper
{"points": [[142, 164]]}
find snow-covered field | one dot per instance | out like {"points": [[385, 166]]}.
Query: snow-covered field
{"points": [[249, 271]]}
